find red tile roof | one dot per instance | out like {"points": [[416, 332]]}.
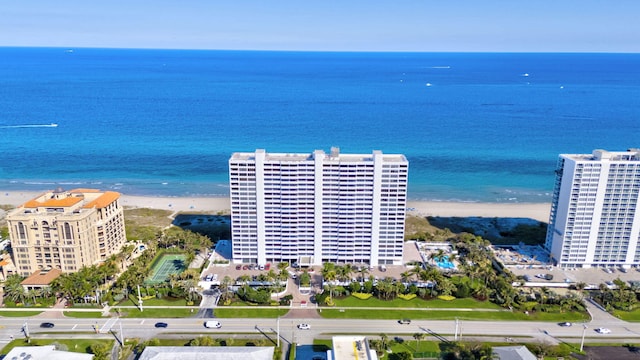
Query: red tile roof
{"points": [[104, 200], [42, 277], [66, 202]]}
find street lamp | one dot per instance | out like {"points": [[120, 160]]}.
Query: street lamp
{"points": [[584, 329], [455, 333], [278, 330]]}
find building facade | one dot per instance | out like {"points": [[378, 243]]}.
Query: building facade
{"points": [[594, 220], [315, 208], [66, 230]]}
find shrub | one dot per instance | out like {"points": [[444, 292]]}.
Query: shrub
{"points": [[362, 296], [407, 296], [446, 297]]}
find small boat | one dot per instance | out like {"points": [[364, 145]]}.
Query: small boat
{"points": [[53, 125]]}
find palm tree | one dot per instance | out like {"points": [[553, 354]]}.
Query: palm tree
{"points": [[13, 290], [328, 271], [405, 276], [330, 288], [418, 336], [384, 341]]}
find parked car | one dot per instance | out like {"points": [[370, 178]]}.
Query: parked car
{"points": [[209, 277], [161, 325], [565, 324], [304, 326], [603, 330], [47, 325], [404, 321], [212, 324]]}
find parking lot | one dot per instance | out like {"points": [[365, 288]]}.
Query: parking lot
{"points": [[593, 277]]}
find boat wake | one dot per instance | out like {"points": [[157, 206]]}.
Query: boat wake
{"points": [[29, 126]]}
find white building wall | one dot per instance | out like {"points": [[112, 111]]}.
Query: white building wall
{"points": [[594, 219], [323, 207]]}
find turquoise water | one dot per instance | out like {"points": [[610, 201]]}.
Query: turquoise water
{"points": [[475, 127], [444, 263]]}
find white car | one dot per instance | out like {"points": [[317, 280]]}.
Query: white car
{"points": [[212, 324], [603, 331], [304, 326]]}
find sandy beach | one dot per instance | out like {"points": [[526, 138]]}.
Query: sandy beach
{"points": [[536, 211]]}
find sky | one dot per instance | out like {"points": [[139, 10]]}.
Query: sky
{"points": [[327, 25]]}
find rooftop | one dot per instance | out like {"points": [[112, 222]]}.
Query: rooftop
{"points": [[68, 201], [513, 353], [352, 347], [207, 352], [335, 155], [604, 155], [47, 352], [42, 277]]}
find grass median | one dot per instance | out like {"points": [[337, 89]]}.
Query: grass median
{"points": [[19, 313], [436, 309], [156, 312], [249, 312], [73, 345], [83, 314]]}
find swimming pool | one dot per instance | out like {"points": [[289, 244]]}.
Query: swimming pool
{"points": [[444, 263]]}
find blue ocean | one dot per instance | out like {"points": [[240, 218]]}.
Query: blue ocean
{"points": [[476, 127]]}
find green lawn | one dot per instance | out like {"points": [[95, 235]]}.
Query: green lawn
{"points": [[133, 300], [431, 348], [157, 313], [468, 303], [19, 313], [249, 312], [356, 313], [74, 345], [470, 309], [83, 314], [633, 315]]}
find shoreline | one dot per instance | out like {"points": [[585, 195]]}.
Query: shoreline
{"points": [[536, 211]]}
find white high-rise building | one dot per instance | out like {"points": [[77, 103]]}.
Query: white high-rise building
{"points": [[315, 208], [594, 219]]}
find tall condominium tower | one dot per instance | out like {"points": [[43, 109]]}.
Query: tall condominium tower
{"points": [[66, 230], [594, 217], [314, 208]]}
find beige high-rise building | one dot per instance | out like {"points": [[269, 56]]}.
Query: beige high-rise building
{"points": [[66, 230]]}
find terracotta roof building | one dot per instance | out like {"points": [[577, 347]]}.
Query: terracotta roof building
{"points": [[40, 279], [66, 230]]}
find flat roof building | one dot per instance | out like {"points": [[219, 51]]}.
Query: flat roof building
{"points": [[207, 352], [594, 220], [318, 207], [66, 230], [44, 352]]}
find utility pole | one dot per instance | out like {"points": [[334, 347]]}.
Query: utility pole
{"points": [[25, 328], [278, 330], [139, 299], [455, 333], [584, 330], [121, 333]]}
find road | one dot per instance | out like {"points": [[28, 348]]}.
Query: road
{"points": [[144, 328]]}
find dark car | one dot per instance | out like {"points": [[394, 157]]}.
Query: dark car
{"points": [[161, 325], [404, 321], [565, 324], [47, 325]]}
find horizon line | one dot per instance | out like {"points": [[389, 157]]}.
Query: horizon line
{"points": [[67, 48]]}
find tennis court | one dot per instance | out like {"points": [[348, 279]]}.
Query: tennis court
{"points": [[168, 264]]}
